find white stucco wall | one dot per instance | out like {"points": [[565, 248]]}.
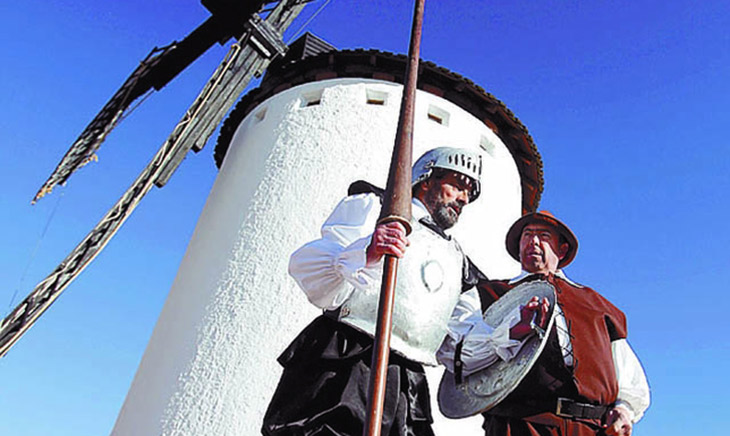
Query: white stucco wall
{"points": [[210, 366]]}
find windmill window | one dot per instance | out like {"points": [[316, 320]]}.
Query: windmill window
{"points": [[312, 98], [438, 115], [260, 115], [375, 97], [487, 145]]}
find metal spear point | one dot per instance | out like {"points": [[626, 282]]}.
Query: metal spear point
{"points": [[396, 207]]}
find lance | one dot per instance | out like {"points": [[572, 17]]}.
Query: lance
{"points": [[396, 207]]}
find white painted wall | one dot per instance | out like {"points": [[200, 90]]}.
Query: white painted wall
{"points": [[210, 366]]}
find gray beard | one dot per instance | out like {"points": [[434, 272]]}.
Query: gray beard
{"points": [[444, 217]]}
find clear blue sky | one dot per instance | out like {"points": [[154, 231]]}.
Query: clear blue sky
{"points": [[626, 101]]}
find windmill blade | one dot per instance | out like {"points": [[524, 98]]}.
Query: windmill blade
{"points": [[243, 60], [264, 43], [229, 19]]}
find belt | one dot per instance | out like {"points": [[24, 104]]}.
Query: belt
{"points": [[567, 408], [562, 407]]}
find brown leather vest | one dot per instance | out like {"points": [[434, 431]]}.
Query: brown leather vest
{"points": [[593, 323]]}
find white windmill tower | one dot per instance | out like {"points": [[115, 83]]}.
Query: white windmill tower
{"points": [[320, 120]]}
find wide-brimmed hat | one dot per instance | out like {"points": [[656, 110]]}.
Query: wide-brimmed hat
{"points": [[543, 217]]}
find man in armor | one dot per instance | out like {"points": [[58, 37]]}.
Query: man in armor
{"points": [[324, 387], [587, 381]]}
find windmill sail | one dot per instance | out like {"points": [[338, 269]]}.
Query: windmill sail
{"points": [[246, 58], [229, 19]]}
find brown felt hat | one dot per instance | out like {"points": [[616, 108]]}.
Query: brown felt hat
{"points": [[543, 217]]}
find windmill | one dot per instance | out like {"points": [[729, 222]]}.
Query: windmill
{"points": [[346, 82], [257, 41]]}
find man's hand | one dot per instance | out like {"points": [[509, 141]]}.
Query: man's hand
{"points": [[617, 422], [534, 313], [388, 238]]}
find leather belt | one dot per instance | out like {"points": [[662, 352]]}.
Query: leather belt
{"points": [[567, 408], [562, 407]]}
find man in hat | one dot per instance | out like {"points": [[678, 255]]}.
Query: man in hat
{"points": [[587, 380], [324, 387]]}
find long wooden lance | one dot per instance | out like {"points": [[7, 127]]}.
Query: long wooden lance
{"points": [[396, 207]]}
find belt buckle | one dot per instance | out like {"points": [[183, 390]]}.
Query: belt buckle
{"points": [[560, 408]]}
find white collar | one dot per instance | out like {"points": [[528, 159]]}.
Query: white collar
{"points": [[558, 273], [419, 210]]}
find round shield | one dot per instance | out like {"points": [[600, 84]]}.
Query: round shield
{"points": [[484, 389]]}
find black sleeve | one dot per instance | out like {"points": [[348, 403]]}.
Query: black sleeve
{"points": [[363, 187], [471, 275]]}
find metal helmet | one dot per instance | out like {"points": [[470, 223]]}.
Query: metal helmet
{"points": [[460, 160]]}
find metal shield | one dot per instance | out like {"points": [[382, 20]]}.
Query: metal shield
{"points": [[484, 389]]}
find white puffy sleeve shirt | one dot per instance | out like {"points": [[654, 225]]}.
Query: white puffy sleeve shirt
{"points": [[483, 345], [328, 269]]}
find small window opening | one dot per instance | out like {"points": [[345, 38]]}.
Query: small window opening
{"points": [[312, 98], [436, 118], [375, 97], [438, 115], [487, 145], [260, 115]]}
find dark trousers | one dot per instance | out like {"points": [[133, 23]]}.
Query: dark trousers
{"points": [[323, 389]]}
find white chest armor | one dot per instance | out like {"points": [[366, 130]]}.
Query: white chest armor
{"points": [[427, 289]]}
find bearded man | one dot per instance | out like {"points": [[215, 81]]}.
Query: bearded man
{"points": [[324, 387]]}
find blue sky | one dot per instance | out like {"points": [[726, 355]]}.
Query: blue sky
{"points": [[626, 101]]}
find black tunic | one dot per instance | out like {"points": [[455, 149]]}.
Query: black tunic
{"points": [[324, 387]]}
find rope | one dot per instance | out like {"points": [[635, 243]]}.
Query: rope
{"points": [[296, 34], [139, 102], [34, 253]]}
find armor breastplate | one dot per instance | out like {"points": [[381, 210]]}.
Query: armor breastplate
{"points": [[427, 289]]}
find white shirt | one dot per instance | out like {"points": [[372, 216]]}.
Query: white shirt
{"points": [[326, 267]]}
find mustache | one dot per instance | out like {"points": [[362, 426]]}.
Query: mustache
{"points": [[456, 205]]}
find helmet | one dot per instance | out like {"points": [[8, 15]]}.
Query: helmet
{"points": [[460, 160]]}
